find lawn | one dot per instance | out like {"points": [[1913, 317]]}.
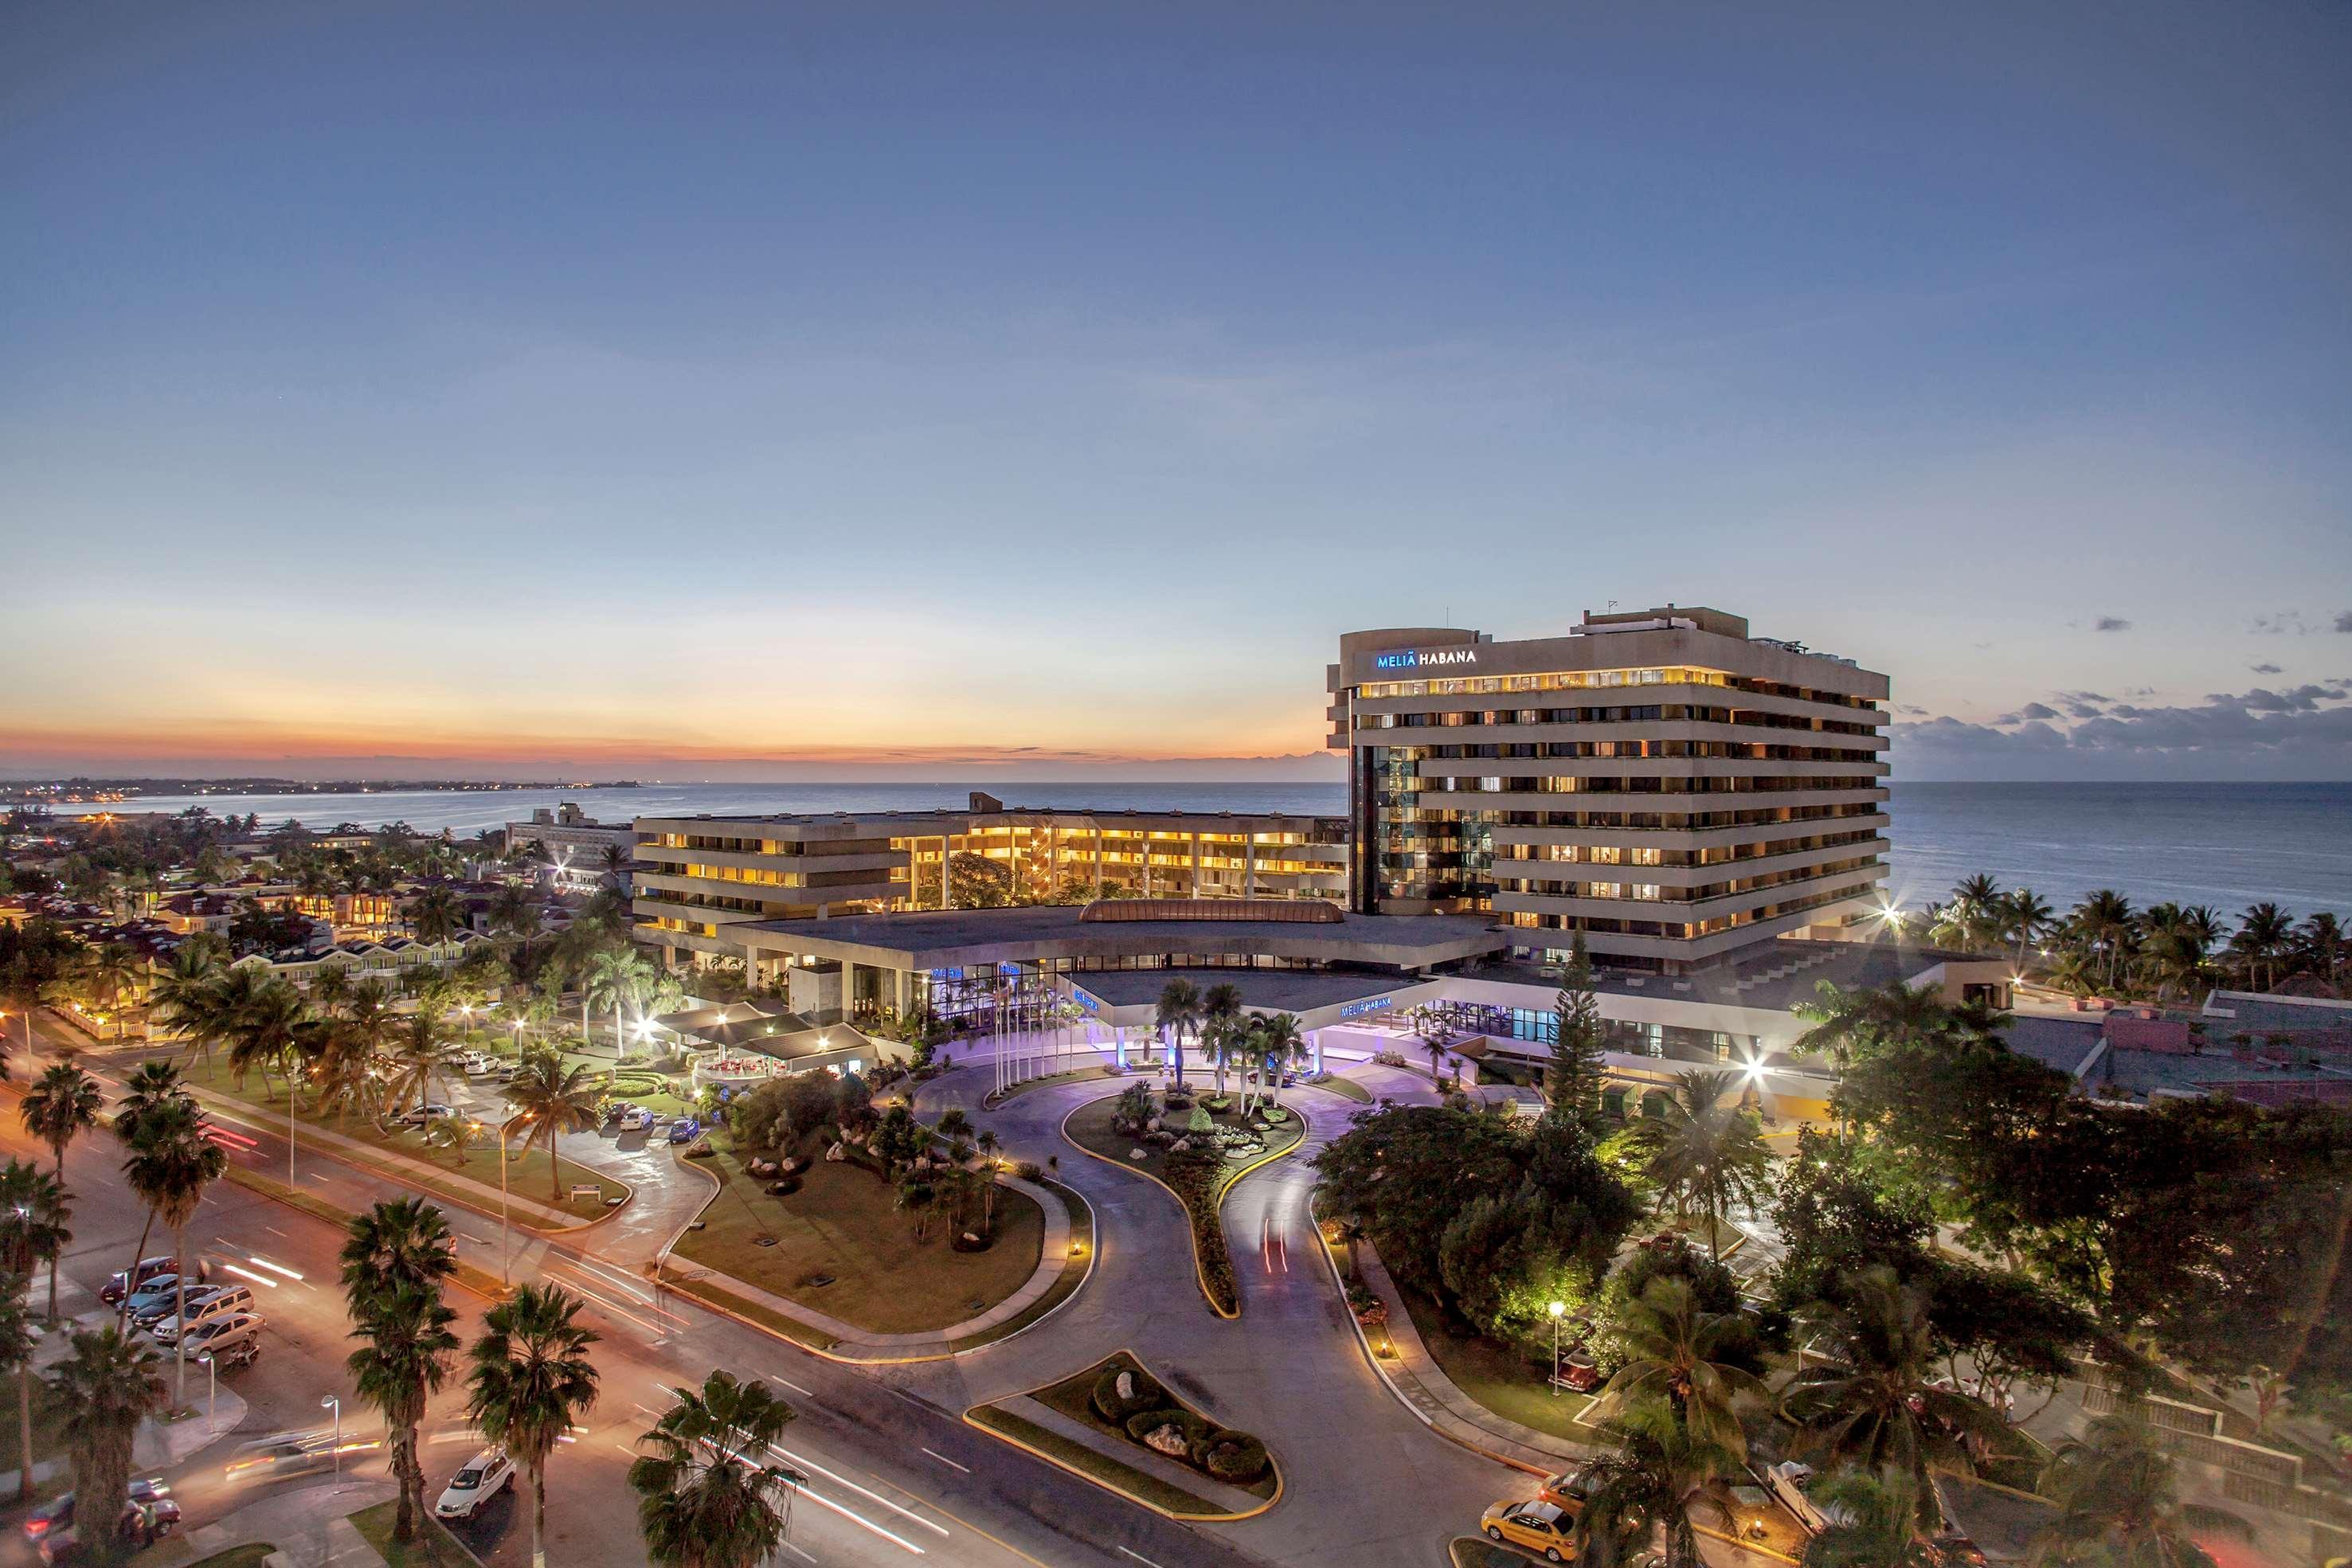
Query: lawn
{"points": [[1097, 1070], [1073, 1275], [841, 1225], [1346, 1087], [527, 1173], [1498, 1378], [434, 1544]]}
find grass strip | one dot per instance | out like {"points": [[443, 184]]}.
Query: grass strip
{"points": [[478, 1280], [1074, 1397], [1079, 1458], [434, 1544], [1099, 1070], [766, 1317], [1345, 1088], [252, 1555]]}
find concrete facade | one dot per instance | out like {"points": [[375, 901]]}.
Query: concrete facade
{"points": [[1664, 782]]}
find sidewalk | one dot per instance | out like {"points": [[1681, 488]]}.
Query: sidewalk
{"points": [[308, 1525], [854, 1344], [1414, 1377], [157, 1445]]}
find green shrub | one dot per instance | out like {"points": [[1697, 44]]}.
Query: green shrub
{"points": [[1198, 1121], [1237, 1458], [1144, 1423], [1275, 1114], [1218, 1103], [1148, 1394], [1029, 1170]]}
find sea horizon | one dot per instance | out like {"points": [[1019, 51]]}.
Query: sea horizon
{"points": [[2218, 842]]}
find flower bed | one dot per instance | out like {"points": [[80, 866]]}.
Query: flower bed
{"points": [[1118, 1399]]}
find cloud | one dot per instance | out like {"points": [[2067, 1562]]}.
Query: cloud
{"points": [[2030, 711], [2307, 727], [2265, 669], [2344, 621], [2111, 623]]}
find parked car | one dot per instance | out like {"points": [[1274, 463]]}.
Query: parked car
{"points": [[127, 1280], [485, 1476], [1545, 1528], [208, 1305], [153, 1302], [236, 1353], [424, 1113], [58, 1513], [636, 1119], [216, 1334], [685, 1130], [144, 1524]]}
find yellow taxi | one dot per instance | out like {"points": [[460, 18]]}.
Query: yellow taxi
{"points": [[1534, 1525]]}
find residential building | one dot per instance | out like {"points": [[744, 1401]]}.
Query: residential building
{"points": [[1671, 787], [578, 850]]}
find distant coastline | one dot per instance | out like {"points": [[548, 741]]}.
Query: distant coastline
{"points": [[126, 791]]}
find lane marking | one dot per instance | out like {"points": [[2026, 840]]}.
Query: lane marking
{"points": [[797, 1552], [861, 1520], [275, 1231], [852, 1486], [947, 1462], [1139, 1557], [790, 1384]]}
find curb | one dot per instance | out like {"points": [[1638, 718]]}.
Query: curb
{"points": [[1199, 1274], [1364, 1343]]}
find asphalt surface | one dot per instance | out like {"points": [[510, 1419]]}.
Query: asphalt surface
{"points": [[895, 1475]]}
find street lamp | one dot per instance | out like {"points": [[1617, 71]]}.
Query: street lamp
{"points": [[212, 1389], [332, 1403], [1558, 1310]]}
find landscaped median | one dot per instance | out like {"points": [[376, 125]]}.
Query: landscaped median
{"points": [[1115, 1425], [824, 1252], [540, 1198], [478, 1280], [1197, 1150]]}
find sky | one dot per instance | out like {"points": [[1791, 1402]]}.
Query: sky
{"points": [[767, 392]]}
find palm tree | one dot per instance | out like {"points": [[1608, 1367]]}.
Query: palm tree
{"points": [[2105, 922], [1877, 1404], [514, 911], [1874, 1523], [616, 976], [186, 995], [435, 915], [955, 1125], [171, 1165], [1220, 1013], [419, 1055], [2264, 935], [707, 1493], [2119, 1505], [532, 1380], [917, 1196], [1279, 1045], [112, 973], [552, 1099], [400, 1242], [331, 988], [1703, 1149], [989, 1145], [402, 1364], [1179, 1010], [1977, 910], [1661, 1472], [17, 1345], [62, 1104], [33, 1225], [2027, 919], [2319, 946], [264, 1031], [97, 1395], [1676, 1352], [1848, 1024]]}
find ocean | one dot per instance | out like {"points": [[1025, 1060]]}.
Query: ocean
{"points": [[2226, 845]]}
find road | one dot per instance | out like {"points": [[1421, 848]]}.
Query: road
{"points": [[896, 1476]]}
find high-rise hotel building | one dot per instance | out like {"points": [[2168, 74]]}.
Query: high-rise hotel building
{"points": [[1662, 782]]}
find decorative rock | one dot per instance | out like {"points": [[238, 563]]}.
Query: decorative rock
{"points": [[1180, 1145], [971, 1240], [1135, 1155], [836, 1154], [1126, 1386], [1152, 1126], [1167, 1441]]}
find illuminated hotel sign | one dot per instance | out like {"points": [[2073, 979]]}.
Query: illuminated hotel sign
{"points": [[1425, 658], [1358, 1009]]}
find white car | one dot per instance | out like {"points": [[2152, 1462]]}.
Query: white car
{"points": [[486, 1475], [636, 1119]]}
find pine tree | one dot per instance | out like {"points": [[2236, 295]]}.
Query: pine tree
{"points": [[1572, 1083]]}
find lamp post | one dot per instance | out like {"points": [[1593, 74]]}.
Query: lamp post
{"points": [[503, 1244], [212, 1388], [1558, 1310], [332, 1403]]}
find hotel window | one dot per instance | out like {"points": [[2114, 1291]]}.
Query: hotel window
{"points": [[1605, 890], [1648, 890]]}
